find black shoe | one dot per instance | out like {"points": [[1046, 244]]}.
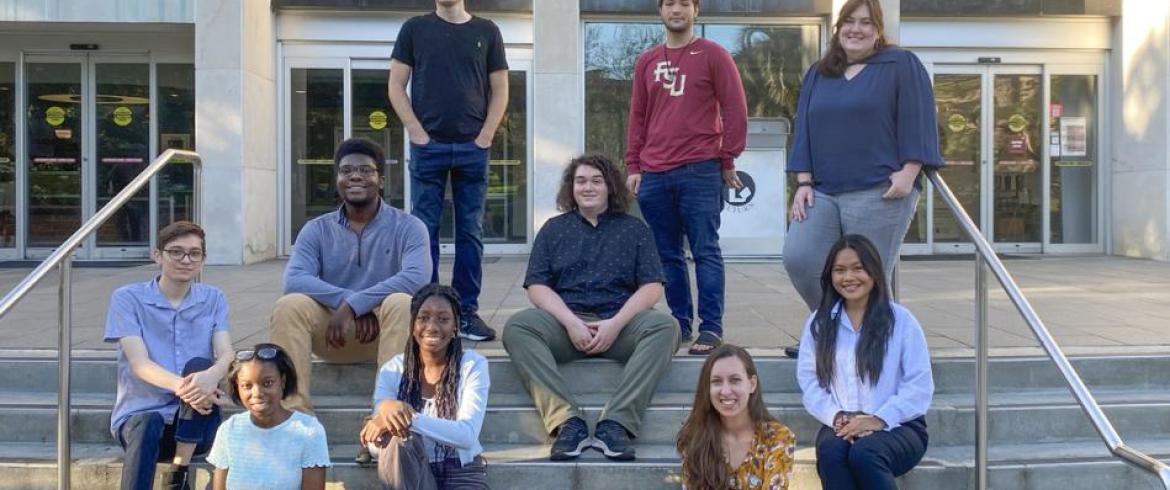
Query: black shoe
{"points": [[572, 438], [792, 351], [472, 327], [612, 440], [176, 479]]}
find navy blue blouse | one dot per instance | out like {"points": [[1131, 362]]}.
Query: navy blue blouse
{"points": [[852, 134]]}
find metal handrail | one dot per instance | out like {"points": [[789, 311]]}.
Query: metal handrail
{"points": [[986, 259], [62, 258]]}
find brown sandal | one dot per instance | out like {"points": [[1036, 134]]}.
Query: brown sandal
{"points": [[706, 343]]}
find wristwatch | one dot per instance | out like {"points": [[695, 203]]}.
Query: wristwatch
{"points": [[807, 183]]}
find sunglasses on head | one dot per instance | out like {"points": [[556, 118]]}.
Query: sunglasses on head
{"points": [[264, 353]]}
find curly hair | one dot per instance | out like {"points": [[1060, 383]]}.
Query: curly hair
{"points": [[619, 199]]}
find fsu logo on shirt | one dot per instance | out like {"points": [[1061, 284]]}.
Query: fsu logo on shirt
{"points": [[671, 80]]}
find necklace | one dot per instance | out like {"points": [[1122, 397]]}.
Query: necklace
{"points": [[675, 65]]}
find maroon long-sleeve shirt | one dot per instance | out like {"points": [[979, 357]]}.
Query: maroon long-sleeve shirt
{"points": [[687, 106]]}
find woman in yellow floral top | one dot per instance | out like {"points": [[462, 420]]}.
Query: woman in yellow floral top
{"points": [[730, 441]]}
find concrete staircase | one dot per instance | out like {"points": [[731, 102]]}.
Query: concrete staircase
{"points": [[1040, 438]]}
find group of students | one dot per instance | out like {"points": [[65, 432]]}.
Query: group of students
{"points": [[362, 284]]}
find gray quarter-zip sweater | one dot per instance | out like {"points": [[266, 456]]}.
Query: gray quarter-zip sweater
{"points": [[332, 263]]}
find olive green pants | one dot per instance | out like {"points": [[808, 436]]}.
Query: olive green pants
{"points": [[537, 342]]}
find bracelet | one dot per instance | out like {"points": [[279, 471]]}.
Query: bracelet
{"points": [[807, 183]]}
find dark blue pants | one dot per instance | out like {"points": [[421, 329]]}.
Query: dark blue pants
{"points": [[685, 203], [872, 462], [148, 439], [466, 165]]}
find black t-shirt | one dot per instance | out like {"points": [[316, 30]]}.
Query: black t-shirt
{"points": [[450, 63], [594, 269]]}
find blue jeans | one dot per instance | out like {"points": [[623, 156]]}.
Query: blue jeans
{"points": [[148, 439], [686, 202], [467, 167], [872, 462]]}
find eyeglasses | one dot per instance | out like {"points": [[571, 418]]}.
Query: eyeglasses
{"points": [[363, 170], [265, 353], [178, 254]]}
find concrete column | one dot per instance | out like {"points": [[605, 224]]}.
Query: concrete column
{"points": [[558, 100], [235, 126], [1140, 197]]}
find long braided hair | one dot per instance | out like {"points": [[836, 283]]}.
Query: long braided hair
{"points": [[446, 390]]}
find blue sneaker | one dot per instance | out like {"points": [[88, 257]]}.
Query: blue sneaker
{"points": [[613, 441], [572, 438]]}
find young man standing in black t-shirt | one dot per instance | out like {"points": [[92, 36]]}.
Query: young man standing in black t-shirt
{"points": [[458, 78]]}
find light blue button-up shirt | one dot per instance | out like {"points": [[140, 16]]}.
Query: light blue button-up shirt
{"points": [[903, 391], [172, 337]]}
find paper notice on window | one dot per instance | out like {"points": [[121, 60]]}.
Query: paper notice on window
{"points": [[1074, 137]]}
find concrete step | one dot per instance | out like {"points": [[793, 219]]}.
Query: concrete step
{"points": [[1060, 466], [1019, 419], [39, 374]]}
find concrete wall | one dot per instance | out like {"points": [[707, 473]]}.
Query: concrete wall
{"points": [[1140, 206], [235, 118], [176, 11]]}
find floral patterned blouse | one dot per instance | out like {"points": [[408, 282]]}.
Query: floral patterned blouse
{"points": [[769, 462]]}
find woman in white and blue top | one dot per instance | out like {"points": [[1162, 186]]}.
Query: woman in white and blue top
{"points": [[864, 370], [268, 447], [429, 403]]}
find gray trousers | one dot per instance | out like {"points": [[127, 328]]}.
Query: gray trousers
{"points": [[403, 465], [864, 212], [536, 342]]}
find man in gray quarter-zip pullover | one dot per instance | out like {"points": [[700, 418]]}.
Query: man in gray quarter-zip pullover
{"points": [[351, 276]]}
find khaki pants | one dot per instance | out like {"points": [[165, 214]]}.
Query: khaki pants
{"points": [[537, 342], [299, 324]]}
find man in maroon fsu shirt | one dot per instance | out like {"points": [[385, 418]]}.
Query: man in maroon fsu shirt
{"points": [[688, 123]]}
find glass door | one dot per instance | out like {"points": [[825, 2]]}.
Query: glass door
{"points": [[991, 121], [55, 146], [88, 134], [329, 99]]}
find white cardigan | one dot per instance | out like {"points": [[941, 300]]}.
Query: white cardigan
{"points": [[461, 433]]}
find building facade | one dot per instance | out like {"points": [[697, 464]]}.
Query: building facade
{"points": [[1054, 115]]}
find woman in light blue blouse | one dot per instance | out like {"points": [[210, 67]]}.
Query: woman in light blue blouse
{"points": [[864, 372], [865, 127]]}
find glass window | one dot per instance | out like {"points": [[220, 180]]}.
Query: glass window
{"points": [[54, 117], [1073, 152], [373, 118], [317, 130], [176, 129], [122, 123], [7, 155], [771, 61], [611, 49]]}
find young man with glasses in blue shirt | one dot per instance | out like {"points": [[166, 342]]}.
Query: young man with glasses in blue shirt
{"points": [[168, 330]]}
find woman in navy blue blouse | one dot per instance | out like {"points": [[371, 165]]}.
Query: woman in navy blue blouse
{"points": [[865, 127]]}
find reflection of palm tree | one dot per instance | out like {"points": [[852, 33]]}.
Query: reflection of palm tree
{"points": [[770, 73]]}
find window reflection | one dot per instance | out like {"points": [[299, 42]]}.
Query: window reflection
{"points": [[317, 129], [1073, 151], [176, 129], [7, 155], [122, 122]]}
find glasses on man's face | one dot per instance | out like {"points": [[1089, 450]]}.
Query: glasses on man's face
{"points": [[265, 353], [363, 170], [178, 254]]}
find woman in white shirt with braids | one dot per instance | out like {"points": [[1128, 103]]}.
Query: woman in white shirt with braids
{"points": [[429, 403]]}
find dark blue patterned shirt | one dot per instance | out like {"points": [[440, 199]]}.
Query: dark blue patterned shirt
{"points": [[595, 270]]}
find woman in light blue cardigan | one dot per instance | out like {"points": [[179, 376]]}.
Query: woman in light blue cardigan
{"points": [[429, 403]]}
